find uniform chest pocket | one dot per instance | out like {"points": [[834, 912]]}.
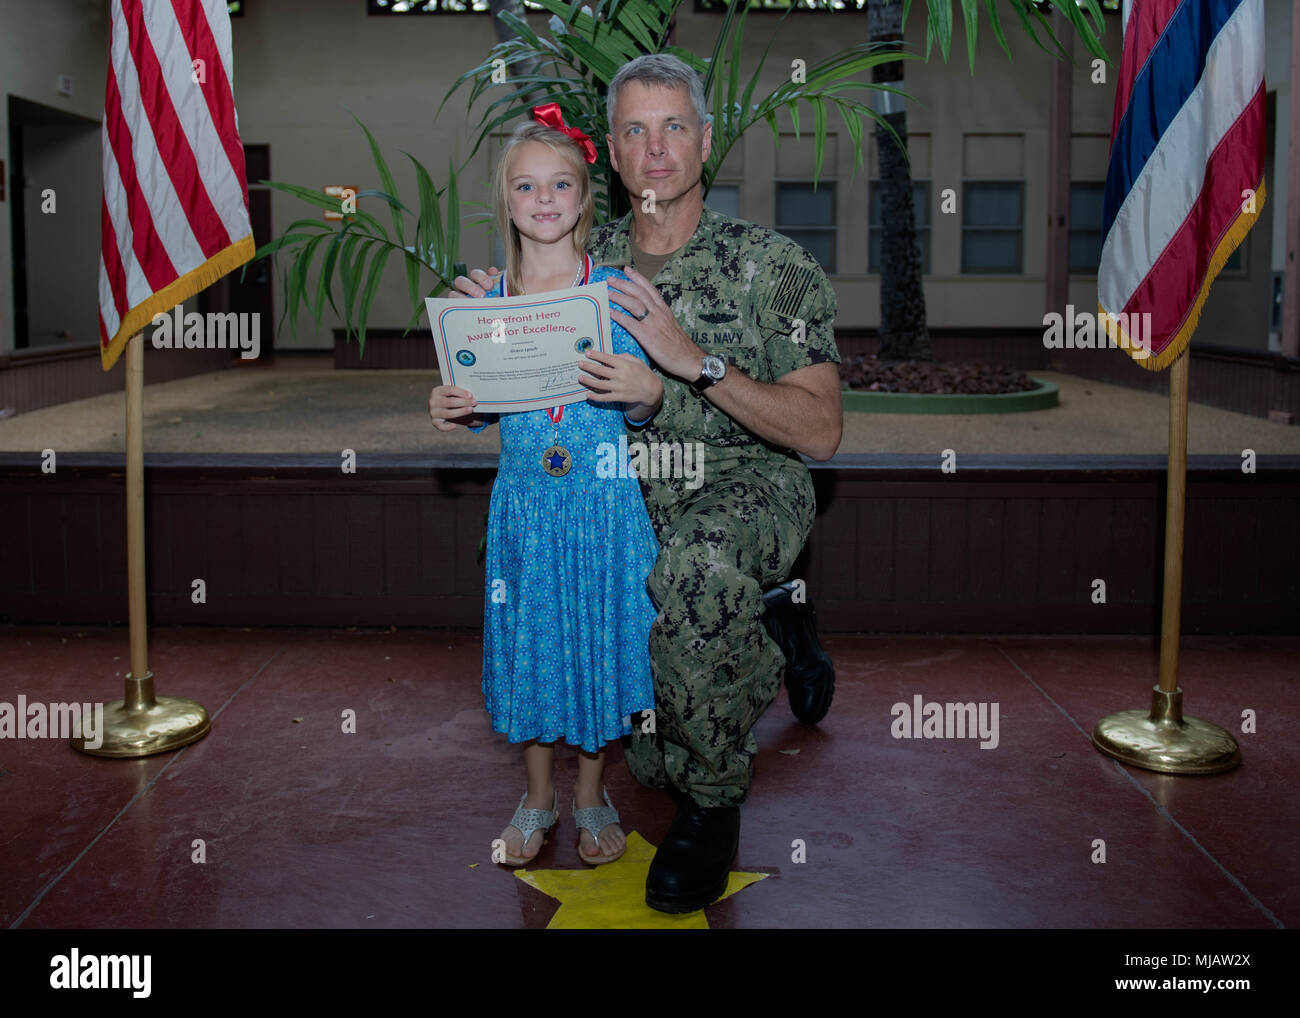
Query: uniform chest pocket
{"points": [[720, 329]]}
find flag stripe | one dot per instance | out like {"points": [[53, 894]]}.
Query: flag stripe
{"points": [[121, 252], [1164, 194], [1169, 76], [140, 233], [1140, 36], [159, 215], [173, 144], [174, 214], [111, 266], [1187, 152], [193, 110], [1169, 289], [218, 93]]}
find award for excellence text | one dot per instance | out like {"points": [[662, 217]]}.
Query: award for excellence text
{"points": [[520, 353]]}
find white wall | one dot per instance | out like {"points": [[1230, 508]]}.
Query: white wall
{"points": [[39, 42], [302, 68], [296, 73]]}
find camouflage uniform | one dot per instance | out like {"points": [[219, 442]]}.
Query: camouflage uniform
{"points": [[736, 289]]}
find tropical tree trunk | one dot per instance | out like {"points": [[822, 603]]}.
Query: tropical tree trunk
{"points": [[903, 333], [505, 33]]}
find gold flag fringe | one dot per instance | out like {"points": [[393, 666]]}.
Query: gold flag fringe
{"points": [[1231, 241], [198, 278]]}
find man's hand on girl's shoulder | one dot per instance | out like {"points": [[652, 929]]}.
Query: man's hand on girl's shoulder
{"points": [[476, 284]]}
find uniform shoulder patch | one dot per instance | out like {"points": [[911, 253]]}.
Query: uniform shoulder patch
{"points": [[788, 294]]}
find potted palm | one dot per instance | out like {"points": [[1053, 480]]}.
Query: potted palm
{"points": [[571, 64]]}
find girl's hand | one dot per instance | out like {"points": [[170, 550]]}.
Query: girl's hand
{"points": [[477, 284], [620, 378], [449, 401]]}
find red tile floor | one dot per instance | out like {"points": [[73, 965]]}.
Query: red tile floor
{"points": [[390, 827]]}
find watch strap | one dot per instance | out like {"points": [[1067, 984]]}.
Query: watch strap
{"points": [[706, 380]]}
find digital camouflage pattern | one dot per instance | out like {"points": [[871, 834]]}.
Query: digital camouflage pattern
{"points": [[739, 291]]}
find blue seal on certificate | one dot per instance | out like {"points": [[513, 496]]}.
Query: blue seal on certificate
{"points": [[531, 360]]}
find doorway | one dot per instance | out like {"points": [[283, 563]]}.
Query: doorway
{"points": [[55, 188]]}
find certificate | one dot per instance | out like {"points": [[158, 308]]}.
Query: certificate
{"points": [[520, 353]]}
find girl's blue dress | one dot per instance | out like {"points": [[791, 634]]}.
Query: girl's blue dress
{"points": [[566, 635]]}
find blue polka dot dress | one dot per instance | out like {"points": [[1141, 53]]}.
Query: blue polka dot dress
{"points": [[566, 615]]}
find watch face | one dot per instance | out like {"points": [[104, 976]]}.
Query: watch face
{"points": [[714, 367]]}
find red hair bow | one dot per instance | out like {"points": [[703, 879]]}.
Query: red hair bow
{"points": [[549, 114]]}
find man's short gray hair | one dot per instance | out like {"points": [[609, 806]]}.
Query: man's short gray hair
{"points": [[661, 69]]}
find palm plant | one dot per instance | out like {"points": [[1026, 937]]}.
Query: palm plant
{"points": [[903, 331], [588, 44], [1085, 17], [435, 242], [572, 65]]}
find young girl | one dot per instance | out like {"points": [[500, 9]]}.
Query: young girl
{"points": [[565, 636]]}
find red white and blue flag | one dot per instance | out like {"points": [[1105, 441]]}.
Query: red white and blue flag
{"points": [[174, 214], [1186, 176]]}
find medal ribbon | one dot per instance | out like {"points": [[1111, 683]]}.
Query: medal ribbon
{"points": [[556, 413]]}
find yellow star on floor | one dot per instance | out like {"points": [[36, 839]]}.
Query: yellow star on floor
{"points": [[612, 896]]}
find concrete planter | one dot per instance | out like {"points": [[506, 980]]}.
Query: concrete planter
{"points": [[1042, 398]]}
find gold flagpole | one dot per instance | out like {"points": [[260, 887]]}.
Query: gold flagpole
{"points": [[141, 724], [1162, 739]]}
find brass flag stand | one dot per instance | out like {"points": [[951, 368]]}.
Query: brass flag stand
{"points": [[141, 724], [1163, 739]]}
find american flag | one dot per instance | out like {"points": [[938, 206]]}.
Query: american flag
{"points": [[1186, 176], [175, 205]]}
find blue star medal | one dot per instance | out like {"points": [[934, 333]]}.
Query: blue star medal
{"points": [[556, 460]]}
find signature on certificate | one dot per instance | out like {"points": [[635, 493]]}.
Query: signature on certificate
{"points": [[557, 380]]}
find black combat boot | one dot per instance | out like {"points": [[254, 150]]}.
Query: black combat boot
{"points": [[809, 673], [690, 869]]}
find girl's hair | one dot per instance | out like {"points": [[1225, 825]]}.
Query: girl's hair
{"points": [[568, 150]]}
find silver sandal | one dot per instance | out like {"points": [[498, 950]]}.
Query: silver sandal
{"points": [[595, 819], [528, 822]]}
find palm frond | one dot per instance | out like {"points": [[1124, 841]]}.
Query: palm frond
{"points": [[360, 238], [572, 64]]}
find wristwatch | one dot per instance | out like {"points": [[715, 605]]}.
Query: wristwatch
{"points": [[711, 373]]}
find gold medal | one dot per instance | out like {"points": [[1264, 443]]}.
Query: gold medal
{"points": [[556, 461]]}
